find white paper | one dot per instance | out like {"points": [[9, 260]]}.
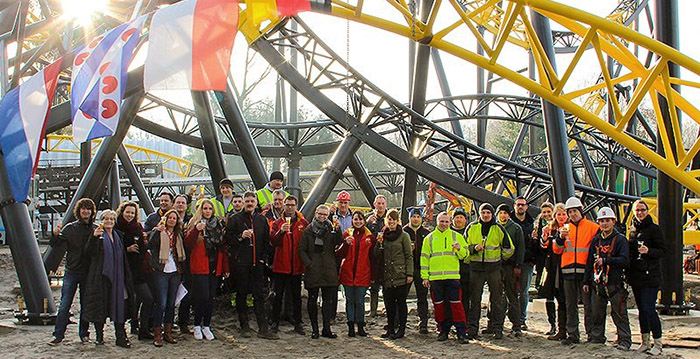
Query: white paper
{"points": [[181, 293]]}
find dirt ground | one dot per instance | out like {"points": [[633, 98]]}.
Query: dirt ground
{"points": [[23, 341]]}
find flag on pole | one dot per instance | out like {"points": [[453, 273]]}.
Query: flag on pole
{"points": [[23, 115], [99, 81], [190, 45], [262, 10]]}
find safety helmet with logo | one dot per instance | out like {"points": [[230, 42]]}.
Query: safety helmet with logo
{"points": [[606, 212], [573, 202], [343, 196]]}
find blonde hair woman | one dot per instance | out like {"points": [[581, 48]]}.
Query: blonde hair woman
{"points": [[553, 286]]}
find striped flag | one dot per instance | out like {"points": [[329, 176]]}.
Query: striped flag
{"points": [[23, 114], [190, 45], [262, 10], [99, 81]]}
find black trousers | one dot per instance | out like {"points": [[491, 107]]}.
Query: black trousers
{"points": [[396, 308], [327, 295], [144, 299], [204, 289], [284, 284], [422, 294], [186, 306], [250, 279]]}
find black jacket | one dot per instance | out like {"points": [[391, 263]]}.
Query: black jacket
{"points": [[152, 220], [615, 253], [321, 269], [533, 253], [98, 289], [73, 238], [645, 271], [416, 238], [241, 250], [136, 260]]}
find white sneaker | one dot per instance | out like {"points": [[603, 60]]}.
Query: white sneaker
{"points": [[197, 332], [207, 333]]}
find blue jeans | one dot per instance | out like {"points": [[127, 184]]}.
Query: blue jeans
{"points": [[71, 282], [648, 317], [525, 282], [355, 303], [166, 284]]}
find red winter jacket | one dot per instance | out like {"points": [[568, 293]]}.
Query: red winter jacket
{"points": [[199, 261], [287, 260], [356, 270]]}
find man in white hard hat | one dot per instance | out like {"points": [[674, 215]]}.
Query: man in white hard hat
{"points": [[607, 259], [573, 244]]}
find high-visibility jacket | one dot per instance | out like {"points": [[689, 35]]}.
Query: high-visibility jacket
{"points": [[219, 209], [265, 196], [497, 247], [438, 259], [574, 251]]}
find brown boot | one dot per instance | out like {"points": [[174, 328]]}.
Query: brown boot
{"points": [[158, 336], [168, 334]]}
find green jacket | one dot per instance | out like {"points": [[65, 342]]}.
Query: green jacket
{"points": [[398, 260], [438, 259], [497, 246], [518, 239]]}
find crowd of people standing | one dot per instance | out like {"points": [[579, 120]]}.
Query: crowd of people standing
{"points": [[258, 243]]}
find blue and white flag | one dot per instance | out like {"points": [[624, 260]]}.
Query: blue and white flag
{"points": [[23, 114], [99, 81]]}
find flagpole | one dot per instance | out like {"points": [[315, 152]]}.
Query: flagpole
{"points": [[33, 281]]}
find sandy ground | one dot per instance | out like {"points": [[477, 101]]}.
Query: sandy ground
{"points": [[22, 341]]}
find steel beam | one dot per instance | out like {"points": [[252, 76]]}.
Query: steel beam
{"points": [[670, 198], [115, 193], [241, 134], [210, 138], [128, 165], [91, 184], [332, 173], [555, 125], [25, 253], [481, 124], [294, 159], [359, 172]]}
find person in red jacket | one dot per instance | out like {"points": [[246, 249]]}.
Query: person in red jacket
{"points": [[208, 262], [287, 268], [355, 271]]}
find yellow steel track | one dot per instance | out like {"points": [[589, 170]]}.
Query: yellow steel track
{"points": [[508, 22]]}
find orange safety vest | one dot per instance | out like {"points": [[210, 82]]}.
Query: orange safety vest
{"points": [[574, 252]]}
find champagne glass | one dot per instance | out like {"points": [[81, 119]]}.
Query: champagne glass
{"points": [[640, 244]]}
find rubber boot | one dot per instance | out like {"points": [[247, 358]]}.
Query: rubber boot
{"points": [[158, 336], [168, 334], [120, 332], [351, 329], [361, 329]]}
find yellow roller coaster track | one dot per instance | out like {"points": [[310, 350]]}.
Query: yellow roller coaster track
{"points": [[508, 21], [183, 167]]}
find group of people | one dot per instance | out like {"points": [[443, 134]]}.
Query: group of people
{"points": [[258, 243]]}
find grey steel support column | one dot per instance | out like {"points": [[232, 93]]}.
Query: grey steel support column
{"points": [[210, 138], [294, 176], [446, 92], [241, 134], [128, 165], [481, 89], [555, 126], [85, 156], [332, 173], [669, 191], [25, 253], [91, 185], [115, 193], [359, 172], [294, 160], [420, 82]]}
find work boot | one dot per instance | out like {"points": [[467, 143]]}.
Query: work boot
{"points": [[462, 339], [351, 329], [145, 334], [168, 334], [266, 334], [646, 343], [559, 336], [656, 349], [488, 331], [571, 341], [245, 330], [54, 341], [299, 329], [399, 333], [443, 336], [361, 329], [158, 336]]}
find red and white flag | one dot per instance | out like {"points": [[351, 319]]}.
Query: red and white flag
{"points": [[190, 45]]}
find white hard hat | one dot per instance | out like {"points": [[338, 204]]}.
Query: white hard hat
{"points": [[573, 202], [606, 212]]}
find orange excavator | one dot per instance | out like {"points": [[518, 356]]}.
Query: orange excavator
{"points": [[453, 200]]}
